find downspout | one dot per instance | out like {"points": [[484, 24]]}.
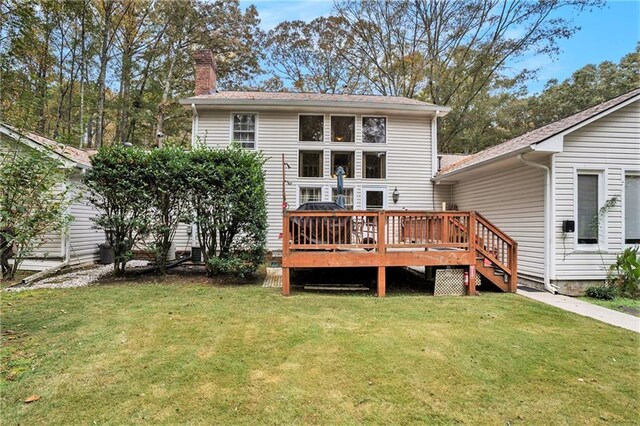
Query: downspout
{"points": [[548, 229], [194, 125]]}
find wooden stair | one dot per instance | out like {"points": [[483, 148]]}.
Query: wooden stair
{"points": [[492, 273]]}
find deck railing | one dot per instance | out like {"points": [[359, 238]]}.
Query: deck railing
{"points": [[417, 230]]}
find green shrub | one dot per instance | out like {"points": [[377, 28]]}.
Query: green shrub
{"points": [[601, 292], [624, 275]]}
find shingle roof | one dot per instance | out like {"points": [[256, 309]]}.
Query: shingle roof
{"points": [[538, 135], [297, 98], [78, 156]]}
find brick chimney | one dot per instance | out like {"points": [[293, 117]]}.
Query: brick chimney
{"points": [[206, 73]]}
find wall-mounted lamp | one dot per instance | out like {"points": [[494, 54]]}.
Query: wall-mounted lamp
{"points": [[396, 195]]}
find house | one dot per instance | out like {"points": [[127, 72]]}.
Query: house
{"points": [[385, 144], [79, 242], [568, 192]]}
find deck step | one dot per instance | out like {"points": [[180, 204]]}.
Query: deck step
{"points": [[490, 274]]}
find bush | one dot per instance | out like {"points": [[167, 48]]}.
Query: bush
{"points": [[601, 292], [624, 275]]}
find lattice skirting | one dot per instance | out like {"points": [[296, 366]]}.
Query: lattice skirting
{"points": [[450, 282], [273, 278]]}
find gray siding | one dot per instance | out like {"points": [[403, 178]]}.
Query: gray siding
{"points": [[83, 237], [513, 199], [610, 145], [408, 151]]}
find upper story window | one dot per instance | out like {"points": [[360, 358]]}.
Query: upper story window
{"points": [[343, 128], [311, 128], [588, 202], [310, 164], [244, 129], [344, 159], [632, 209], [374, 130], [374, 165]]}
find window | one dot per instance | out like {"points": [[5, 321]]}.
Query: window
{"points": [[374, 165], [310, 164], [374, 199], [244, 130], [348, 197], [310, 194], [374, 129], [343, 129], [588, 208], [632, 209], [344, 159], [311, 128]]}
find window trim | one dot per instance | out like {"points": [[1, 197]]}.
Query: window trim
{"points": [[341, 151], [324, 122], [602, 174], [355, 129], [386, 165], [299, 162], [231, 140], [624, 174], [386, 128]]}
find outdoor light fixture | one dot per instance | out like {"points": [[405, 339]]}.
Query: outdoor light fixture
{"points": [[396, 195]]}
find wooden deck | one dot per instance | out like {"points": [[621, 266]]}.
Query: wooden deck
{"points": [[319, 239]]}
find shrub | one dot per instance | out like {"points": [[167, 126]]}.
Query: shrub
{"points": [[624, 275], [228, 199], [119, 188], [601, 292]]}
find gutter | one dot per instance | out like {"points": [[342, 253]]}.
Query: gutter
{"points": [[548, 229], [473, 166]]}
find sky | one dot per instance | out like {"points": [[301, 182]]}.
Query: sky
{"points": [[606, 34]]}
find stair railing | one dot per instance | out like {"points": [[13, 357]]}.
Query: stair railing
{"points": [[497, 247]]}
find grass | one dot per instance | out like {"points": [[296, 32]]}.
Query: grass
{"points": [[184, 351], [622, 304]]}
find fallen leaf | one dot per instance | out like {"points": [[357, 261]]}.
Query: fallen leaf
{"points": [[32, 398], [581, 380]]}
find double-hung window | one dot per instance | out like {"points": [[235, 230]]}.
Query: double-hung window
{"points": [[310, 194], [632, 208], [244, 129], [588, 200]]}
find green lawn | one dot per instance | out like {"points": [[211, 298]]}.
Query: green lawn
{"points": [[183, 351]]}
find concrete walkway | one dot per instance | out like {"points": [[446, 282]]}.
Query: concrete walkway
{"points": [[609, 316]]}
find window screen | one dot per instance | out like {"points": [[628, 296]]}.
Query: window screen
{"points": [[632, 209], [587, 209]]}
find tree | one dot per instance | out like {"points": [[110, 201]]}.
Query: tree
{"points": [[34, 199], [306, 55]]}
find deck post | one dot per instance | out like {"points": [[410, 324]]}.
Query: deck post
{"points": [[286, 289], [472, 280], [513, 279], [382, 283]]}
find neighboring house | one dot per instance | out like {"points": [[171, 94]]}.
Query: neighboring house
{"points": [[79, 242], [546, 187], [385, 144]]}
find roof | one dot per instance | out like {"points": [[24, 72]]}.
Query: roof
{"points": [[539, 135], [447, 160], [77, 156], [311, 99]]}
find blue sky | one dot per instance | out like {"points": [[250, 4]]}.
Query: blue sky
{"points": [[606, 34]]}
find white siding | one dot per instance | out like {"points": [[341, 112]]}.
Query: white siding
{"points": [[513, 199], [83, 237], [408, 150], [610, 145]]}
